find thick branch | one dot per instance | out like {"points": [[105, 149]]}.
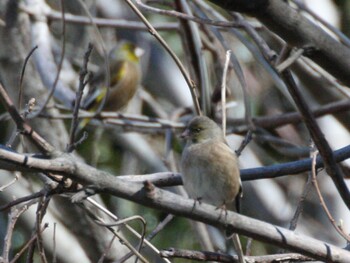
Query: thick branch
{"points": [[151, 196], [220, 257], [297, 31], [165, 179], [271, 171]]}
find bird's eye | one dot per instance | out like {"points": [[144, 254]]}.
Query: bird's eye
{"points": [[197, 130]]}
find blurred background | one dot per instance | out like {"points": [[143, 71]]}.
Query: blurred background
{"points": [[142, 137]]}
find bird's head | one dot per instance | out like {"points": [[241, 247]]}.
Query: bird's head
{"points": [[201, 129], [126, 51]]}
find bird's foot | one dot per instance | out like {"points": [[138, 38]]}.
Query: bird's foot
{"points": [[223, 209]]}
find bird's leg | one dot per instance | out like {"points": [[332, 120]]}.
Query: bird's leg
{"points": [[223, 209]]}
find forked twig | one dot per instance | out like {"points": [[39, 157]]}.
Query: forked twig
{"points": [[30, 242], [322, 202], [133, 231], [82, 84], [98, 220]]}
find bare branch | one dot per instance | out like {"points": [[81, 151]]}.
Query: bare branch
{"points": [[175, 204], [318, 137], [297, 31], [323, 204], [220, 257]]}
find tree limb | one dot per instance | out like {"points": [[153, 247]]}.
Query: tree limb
{"points": [[297, 31], [168, 202]]}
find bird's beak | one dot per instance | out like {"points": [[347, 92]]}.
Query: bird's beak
{"points": [[185, 134]]}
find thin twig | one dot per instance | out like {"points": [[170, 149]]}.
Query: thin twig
{"points": [[14, 180], [98, 220], [30, 242], [22, 76], [183, 16], [273, 122], [160, 227], [318, 137], [82, 83], [125, 221], [106, 251], [150, 236], [283, 54], [290, 60], [238, 71], [114, 217], [102, 22], [326, 77], [193, 45], [223, 90], [41, 193], [125, 117], [236, 125], [54, 252], [13, 217], [248, 137], [269, 54], [184, 72], [105, 55], [299, 210], [60, 64], [322, 202], [40, 213], [282, 146], [248, 247], [257, 53], [22, 126]]}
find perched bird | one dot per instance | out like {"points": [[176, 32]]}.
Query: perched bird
{"points": [[209, 166], [125, 78], [210, 169]]}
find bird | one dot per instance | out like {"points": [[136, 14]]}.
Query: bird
{"points": [[125, 78], [209, 167]]}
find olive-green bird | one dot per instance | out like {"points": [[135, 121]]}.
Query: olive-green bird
{"points": [[209, 168], [125, 78]]}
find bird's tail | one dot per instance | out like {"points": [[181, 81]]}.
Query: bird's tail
{"points": [[91, 104]]}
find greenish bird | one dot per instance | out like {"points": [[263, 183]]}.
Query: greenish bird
{"points": [[209, 166], [125, 78], [210, 171]]}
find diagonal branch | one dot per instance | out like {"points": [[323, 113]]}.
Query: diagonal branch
{"points": [[297, 31], [318, 137], [22, 126]]}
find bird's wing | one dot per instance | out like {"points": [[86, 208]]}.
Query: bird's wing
{"points": [[92, 101]]}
